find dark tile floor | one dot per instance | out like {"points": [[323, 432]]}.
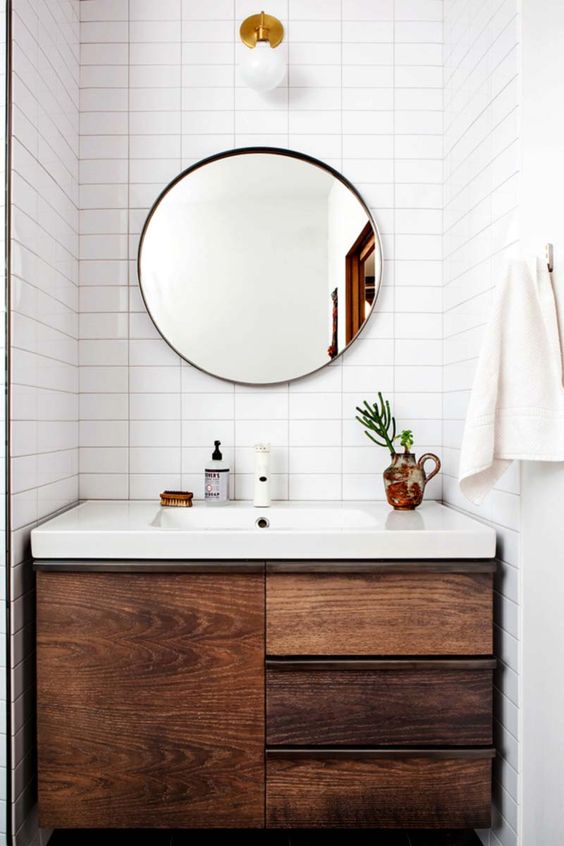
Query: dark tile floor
{"points": [[263, 838]]}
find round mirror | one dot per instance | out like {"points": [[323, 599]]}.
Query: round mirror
{"points": [[259, 265]]}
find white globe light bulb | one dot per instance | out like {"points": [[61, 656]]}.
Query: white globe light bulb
{"points": [[263, 68]]}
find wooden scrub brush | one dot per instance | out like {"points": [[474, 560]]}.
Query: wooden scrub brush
{"points": [[178, 499]]}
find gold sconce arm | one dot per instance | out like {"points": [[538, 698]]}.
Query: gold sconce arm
{"points": [[261, 27]]}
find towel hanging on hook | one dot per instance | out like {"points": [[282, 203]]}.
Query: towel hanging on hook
{"points": [[516, 409]]}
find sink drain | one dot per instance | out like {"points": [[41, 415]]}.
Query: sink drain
{"points": [[262, 523]]}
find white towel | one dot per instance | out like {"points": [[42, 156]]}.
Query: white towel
{"points": [[516, 408]]}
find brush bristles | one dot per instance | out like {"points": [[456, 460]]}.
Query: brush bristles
{"points": [[177, 499]]}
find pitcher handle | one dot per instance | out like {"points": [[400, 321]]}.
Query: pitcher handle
{"points": [[426, 457]]}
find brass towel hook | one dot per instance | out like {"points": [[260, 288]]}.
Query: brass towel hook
{"points": [[549, 252]]}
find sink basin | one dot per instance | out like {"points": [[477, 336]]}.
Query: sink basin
{"points": [[286, 530], [278, 517]]}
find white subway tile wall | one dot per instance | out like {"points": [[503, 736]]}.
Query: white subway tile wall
{"points": [[480, 215], [44, 342], [160, 89]]}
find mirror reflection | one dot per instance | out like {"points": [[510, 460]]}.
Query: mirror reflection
{"points": [[259, 266]]}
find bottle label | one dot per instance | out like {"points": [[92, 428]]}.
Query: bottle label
{"points": [[217, 485]]}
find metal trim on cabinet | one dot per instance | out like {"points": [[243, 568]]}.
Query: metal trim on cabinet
{"points": [[356, 753], [355, 663]]}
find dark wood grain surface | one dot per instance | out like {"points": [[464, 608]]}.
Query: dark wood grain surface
{"points": [[150, 700], [395, 614], [151, 697], [378, 707], [402, 792]]}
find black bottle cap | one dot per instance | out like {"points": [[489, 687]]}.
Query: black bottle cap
{"points": [[216, 454]]}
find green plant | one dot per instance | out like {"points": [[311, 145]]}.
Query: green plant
{"points": [[406, 439], [378, 419]]}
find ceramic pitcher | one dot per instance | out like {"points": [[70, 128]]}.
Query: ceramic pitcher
{"points": [[405, 479]]}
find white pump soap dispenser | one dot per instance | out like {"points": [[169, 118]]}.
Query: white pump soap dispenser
{"points": [[262, 476]]}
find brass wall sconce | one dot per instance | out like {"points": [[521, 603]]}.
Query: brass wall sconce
{"points": [[263, 67]]}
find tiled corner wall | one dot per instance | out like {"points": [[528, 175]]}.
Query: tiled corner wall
{"points": [[44, 340], [160, 90], [481, 204]]}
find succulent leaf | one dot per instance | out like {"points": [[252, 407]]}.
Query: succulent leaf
{"points": [[377, 417]]}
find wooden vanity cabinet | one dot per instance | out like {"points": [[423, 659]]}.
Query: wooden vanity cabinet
{"points": [[250, 694]]}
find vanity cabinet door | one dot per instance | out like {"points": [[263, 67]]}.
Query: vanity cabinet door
{"points": [[150, 700]]}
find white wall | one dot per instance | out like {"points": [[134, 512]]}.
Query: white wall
{"points": [[159, 91], [480, 219], [542, 218], [44, 345]]}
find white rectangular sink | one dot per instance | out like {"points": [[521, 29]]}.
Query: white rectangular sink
{"points": [[298, 517], [98, 530]]}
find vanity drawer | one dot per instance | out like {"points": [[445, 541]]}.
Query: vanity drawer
{"points": [[379, 703], [378, 788], [384, 613]]}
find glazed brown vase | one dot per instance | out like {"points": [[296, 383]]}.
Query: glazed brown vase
{"points": [[405, 479]]}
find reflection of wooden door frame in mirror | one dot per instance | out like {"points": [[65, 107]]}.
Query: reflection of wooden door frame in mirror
{"points": [[341, 241], [355, 304]]}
